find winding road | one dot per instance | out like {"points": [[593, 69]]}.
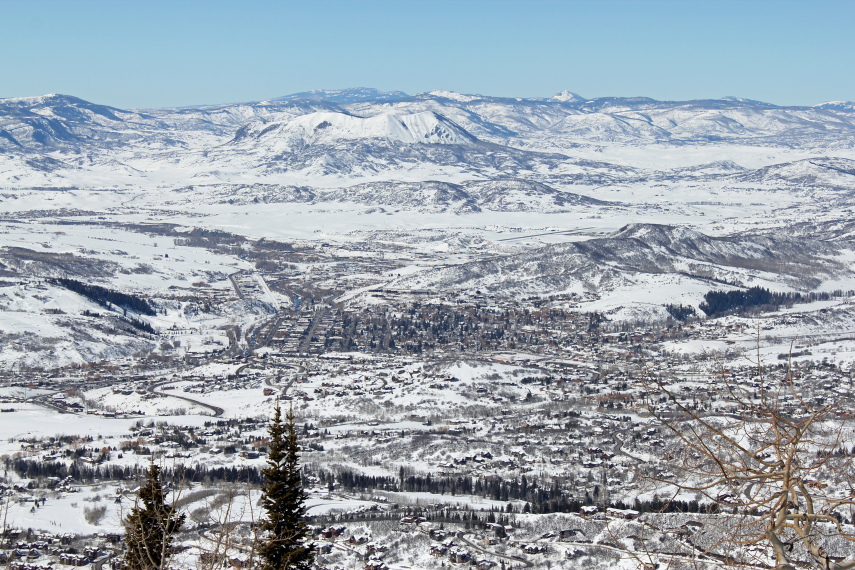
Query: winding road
{"points": [[216, 409]]}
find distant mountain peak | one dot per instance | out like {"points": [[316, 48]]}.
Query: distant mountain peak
{"points": [[568, 96], [836, 106], [350, 95], [454, 96], [733, 99], [48, 99]]}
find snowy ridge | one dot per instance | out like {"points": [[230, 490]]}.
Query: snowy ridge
{"points": [[327, 128], [641, 252], [826, 172], [846, 106], [344, 95], [63, 121], [454, 96], [367, 133], [637, 201], [637, 120], [496, 195]]}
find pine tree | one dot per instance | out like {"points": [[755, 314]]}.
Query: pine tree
{"points": [[284, 543], [150, 526]]}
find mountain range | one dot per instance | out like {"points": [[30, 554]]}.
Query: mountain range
{"points": [[715, 192], [359, 136], [67, 123]]}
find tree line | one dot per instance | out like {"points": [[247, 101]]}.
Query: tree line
{"points": [[107, 297], [721, 302], [35, 469], [536, 498]]}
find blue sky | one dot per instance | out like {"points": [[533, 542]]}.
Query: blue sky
{"points": [[137, 54]]}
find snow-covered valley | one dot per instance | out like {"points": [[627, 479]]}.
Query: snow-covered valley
{"points": [[472, 288]]}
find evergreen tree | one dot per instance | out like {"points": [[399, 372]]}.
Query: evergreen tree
{"points": [[150, 526], [284, 543]]}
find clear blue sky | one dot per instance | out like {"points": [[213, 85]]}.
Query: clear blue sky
{"points": [[136, 54]]}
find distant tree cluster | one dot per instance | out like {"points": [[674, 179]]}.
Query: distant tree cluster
{"points": [[107, 297], [140, 325], [721, 302], [543, 497], [680, 312], [32, 469]]}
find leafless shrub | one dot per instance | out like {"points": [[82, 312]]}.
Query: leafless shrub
{"points": [[776, 467], [94, 514]]}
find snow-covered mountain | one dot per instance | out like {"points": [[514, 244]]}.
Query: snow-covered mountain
{"points": [[329, 128], [502, 153], [729, 180], [848, 106], [44, 122], [51, 122], [821, 172], [642, 257], [351, 95], [340, 143]]}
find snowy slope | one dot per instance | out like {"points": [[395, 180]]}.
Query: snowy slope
{"points": [[328, 128], [63, 121], [641, 251]]}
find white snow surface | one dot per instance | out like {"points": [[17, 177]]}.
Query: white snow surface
{"points": [[319, 128]]}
